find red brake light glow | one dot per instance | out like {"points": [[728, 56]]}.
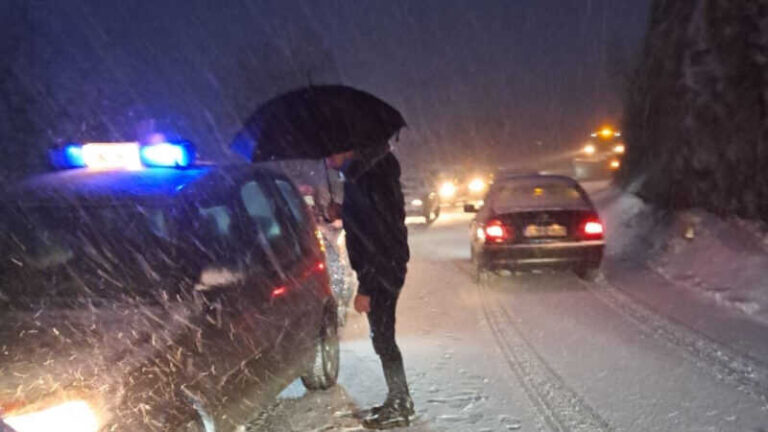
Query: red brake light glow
{"points": [[496, 232], [594, 229]]}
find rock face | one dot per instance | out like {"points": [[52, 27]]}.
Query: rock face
{"points": [[696, 115]]}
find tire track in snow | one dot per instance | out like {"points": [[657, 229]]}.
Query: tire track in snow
{"points": [[725, 364], [559, 406]]}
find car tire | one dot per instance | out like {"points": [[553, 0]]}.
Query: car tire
{"points": [[588, 274], [432, 215], [480, 272], [323, 371]]}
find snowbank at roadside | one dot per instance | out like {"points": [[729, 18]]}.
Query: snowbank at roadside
{"points": [[724, 259]]}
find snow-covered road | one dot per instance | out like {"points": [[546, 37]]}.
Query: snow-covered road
{"points": [[545, 352]]}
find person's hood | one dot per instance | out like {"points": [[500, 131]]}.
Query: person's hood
{"points": [[363, 161]]}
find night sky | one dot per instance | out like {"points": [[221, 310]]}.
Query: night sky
{"points": [[487, 80], [491, 77]]}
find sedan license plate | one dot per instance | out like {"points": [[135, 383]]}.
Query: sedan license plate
{"points": [[555, 230]]}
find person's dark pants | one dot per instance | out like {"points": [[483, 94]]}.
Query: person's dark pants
{"points": [[381, 319]]}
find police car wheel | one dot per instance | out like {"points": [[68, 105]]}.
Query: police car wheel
{"points": [[323, 371]]}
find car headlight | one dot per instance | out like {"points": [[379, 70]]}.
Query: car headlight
{"points": [[477, 185], [620, 149], [74, 416], [417, 203], [589, 149], [447, 190], [615, 164]]}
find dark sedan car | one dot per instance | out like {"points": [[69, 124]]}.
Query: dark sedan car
{"points": [[535, 221], [158, 299]]}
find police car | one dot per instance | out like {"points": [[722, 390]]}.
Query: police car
{"points": [[142, 291]]}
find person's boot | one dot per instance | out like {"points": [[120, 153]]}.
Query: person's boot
{"points": [[397, 386], [405, 403], [392, 414]]}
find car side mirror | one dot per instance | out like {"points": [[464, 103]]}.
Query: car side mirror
{"points": [[470, 208]]}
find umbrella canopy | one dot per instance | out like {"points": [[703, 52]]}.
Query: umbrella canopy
{"points": [[315, 122]]}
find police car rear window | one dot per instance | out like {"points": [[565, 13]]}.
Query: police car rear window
{"points": [[294, 201], [94, 251], [37, 228], [260, 209], [219, 217]]}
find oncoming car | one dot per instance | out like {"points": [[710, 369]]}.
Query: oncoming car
{"points": [[601, 156], [535, 221], [463, 188], [153, 294]]}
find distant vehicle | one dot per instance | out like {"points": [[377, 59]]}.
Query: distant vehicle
{"points": [[536, 221], [163, 296], [421, 198], [601, 156], [460, 187]]}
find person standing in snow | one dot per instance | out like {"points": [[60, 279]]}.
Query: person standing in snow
{"points": [[373, 213]]}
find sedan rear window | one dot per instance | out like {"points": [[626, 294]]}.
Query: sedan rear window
{"points": [[535, 194]]}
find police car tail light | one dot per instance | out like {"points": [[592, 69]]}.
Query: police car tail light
{"points": [[497, 232], [122, 155]]}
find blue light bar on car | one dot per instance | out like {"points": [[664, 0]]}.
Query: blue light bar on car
{"points": [[123, 155], [68, 156], [180, 154]]}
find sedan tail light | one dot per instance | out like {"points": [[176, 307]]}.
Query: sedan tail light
{"points": [[497, 232], [593, 228]]}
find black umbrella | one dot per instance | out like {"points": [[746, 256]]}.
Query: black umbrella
{"points": [[317, 121]]}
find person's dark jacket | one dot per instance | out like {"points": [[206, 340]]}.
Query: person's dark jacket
{"points": [[373, 213]]}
